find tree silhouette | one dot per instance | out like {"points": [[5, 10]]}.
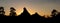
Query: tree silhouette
{"points": [[54, 12], [55, 16], [35, 18], [12, 11], [2, 12]]}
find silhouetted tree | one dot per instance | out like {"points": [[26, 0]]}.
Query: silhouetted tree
{"points": [[54, 12], [12, 11], [2, 12], [55, 16]]}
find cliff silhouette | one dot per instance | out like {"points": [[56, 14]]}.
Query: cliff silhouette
{"points": [[25, 16]]}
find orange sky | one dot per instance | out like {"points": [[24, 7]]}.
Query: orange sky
{"points": [[43, 7]]}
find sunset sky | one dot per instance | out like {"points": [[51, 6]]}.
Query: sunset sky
{"points": [[43, 7]]}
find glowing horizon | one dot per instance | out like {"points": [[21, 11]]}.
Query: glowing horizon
{"points": [[31, 11], [42, 7]]}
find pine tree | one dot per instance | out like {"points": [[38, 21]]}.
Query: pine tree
{"points": [[12, 11], [2, 12], [54, 12]]}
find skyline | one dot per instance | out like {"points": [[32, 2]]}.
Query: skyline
{"points": [[43, 7]]}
